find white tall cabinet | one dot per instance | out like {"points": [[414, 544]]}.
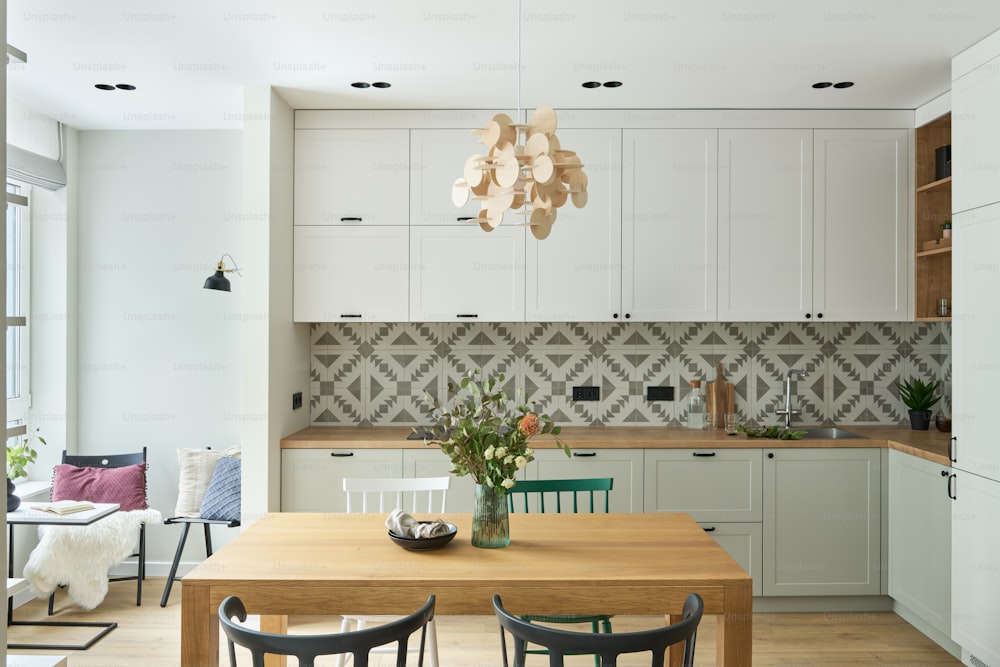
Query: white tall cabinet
{"points": [[975, 601]]}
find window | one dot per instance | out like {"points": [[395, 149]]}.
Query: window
{"points": [[18, 353]]}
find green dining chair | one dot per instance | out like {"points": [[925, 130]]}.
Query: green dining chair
{"points": [[588, 496]]}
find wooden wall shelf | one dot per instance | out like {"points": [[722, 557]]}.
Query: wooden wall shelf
{"points": [[932, 267]]}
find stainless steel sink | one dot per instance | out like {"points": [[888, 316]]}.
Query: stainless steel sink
{"points": [[828, 433]]}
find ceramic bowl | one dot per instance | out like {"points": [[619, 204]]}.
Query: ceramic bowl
{"points": [[425, 543]]}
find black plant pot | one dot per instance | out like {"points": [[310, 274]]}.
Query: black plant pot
{"points": [[920, 420], [13, 502]]}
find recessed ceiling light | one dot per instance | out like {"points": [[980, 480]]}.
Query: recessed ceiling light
{"points": [[843, 84], [381, 84], [124, 86], [360, 84], [591, 84], [612, 84], [822, 84], [104, 86]]}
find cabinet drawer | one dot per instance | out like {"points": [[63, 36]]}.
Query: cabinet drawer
{"points": [[742, 541], [624, 466], [312, 479], [708, 484]]}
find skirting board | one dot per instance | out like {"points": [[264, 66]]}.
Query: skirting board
{"points": [[935, 635]]}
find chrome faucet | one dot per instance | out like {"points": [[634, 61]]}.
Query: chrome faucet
{"points": [[788, 411]]}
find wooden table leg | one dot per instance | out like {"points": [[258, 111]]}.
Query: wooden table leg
{"points": [[734, 641], [675, 653], [276, 625], [199, 628]]}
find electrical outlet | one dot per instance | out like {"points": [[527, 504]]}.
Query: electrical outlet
{"points": [[663, 393], [586, 393], [296, 400]]}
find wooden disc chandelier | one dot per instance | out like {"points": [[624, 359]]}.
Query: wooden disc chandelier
{"points": [[524, 170]]}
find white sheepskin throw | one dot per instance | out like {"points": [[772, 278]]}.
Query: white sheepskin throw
{"points": [[80, 556]]}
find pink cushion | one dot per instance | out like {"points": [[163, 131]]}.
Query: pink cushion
{"points": [[125, 486]]}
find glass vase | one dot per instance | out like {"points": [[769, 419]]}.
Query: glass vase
{"points": [[490, 527]]}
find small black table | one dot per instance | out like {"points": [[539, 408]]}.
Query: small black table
{"points": [[27, 516]]}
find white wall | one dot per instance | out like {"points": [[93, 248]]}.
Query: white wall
{"points": [[158, 356]]}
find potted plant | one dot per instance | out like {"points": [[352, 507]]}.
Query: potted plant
{"points": [[919, 397], [20, 455], [946, 229]]}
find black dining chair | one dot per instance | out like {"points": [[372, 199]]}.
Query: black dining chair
{"points": [[607, 647], [306, 648]]}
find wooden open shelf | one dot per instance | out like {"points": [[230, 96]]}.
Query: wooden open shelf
{"points": [[932, 207]]}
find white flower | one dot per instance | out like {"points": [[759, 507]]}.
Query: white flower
{"points": [[520, 462], [528, 451], [509, 459], [501, 452], [488, 454], [507, 483]]}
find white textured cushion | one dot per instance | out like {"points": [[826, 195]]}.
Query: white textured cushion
{"points": [[196, 468]]}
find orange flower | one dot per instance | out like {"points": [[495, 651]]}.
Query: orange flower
{"points": [[530, 424]]}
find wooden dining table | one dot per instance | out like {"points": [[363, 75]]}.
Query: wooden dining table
{"points": [[335, 563]]}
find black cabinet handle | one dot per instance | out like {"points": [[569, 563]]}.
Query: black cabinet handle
{"points": [[473, 315], [709, 529], [704, 454], [584, 453], [770, 455], [350, 219], [953, 486], [338, 454], [951, 448], [465, 218], [350, 315]]}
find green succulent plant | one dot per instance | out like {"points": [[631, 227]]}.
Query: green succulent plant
{"points": [[21, 454], [919, 395]]}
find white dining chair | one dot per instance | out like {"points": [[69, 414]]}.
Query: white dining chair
{"points": [[382, 495]]}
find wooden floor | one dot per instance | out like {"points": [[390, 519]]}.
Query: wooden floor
{"points": [[149, 636]]}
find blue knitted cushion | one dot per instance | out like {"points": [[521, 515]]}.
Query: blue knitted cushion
{"points": [[222, 498]]}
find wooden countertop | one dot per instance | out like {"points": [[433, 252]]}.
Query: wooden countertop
{"points": [[931, 445]]}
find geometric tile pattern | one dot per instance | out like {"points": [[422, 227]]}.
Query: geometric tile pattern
{"points": [[377, 373]]}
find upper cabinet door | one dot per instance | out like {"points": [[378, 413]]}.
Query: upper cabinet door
{"points": [[975, 136], [463, 274], [351, 274], [437, 159], [765, 225], [351, 177], [669, 225], [860, 221], [574, 275]]}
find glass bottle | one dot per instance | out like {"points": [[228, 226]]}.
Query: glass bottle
{"points": [[696, 406]]}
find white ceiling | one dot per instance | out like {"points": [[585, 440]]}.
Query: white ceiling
{"points": [[190, 59]]}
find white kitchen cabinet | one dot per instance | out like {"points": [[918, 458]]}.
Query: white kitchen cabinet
{"points": [[860, 222], [742, 541], [622, 465], [669, 225], [575, 274], [351, 273], [822, 522], [431, 462], [920, 538], [975, 135], [765, 225], [976, 355], [351, 177], [312, 479], [709, 484], [466, 274], [975, 603], [437, 159]]}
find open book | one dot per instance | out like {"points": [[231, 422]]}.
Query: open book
{"points": [[64, 506]]}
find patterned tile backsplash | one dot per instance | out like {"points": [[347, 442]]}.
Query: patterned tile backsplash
{"points": [[377, 373]]}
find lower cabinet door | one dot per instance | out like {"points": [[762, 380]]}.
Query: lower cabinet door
{"points": [[432, 462], [742, 541], [624, 466], [312, 480]]}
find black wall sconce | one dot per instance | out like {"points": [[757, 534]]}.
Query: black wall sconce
{"points": [[218, 280]]}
